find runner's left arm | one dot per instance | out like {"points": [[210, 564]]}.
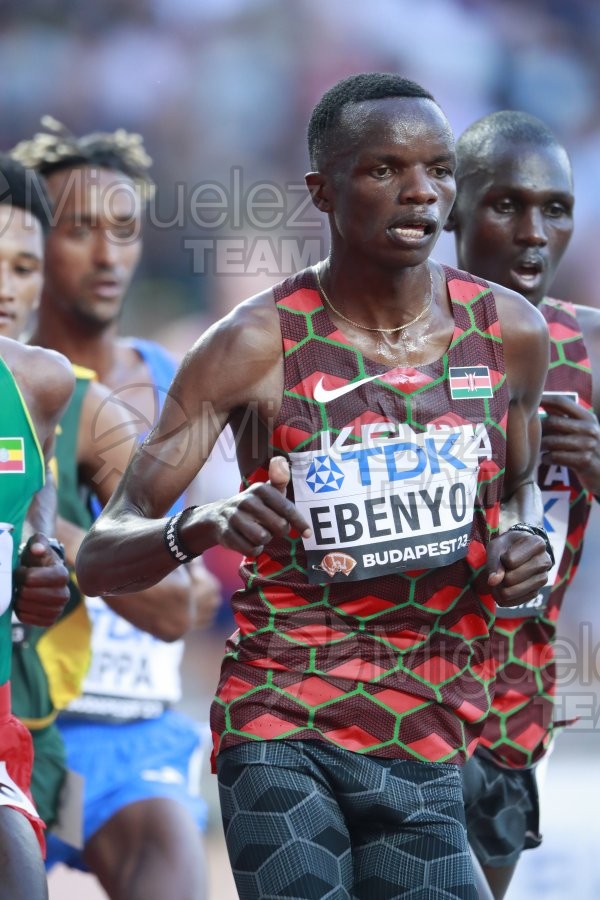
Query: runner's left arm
{"points": [[518, 561], [41, 578]]}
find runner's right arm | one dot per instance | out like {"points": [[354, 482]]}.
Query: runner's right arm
{"points": [[237, 364]]}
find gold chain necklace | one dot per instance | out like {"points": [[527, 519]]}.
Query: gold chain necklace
{"points": [[398, 329]]}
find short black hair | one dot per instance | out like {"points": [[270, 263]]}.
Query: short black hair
{"points": [[477, 142], [56, 149], [354, 89], [24, 189]]}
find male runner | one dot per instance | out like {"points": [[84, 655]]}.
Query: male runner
{"points": [[512, 220], [392, 404], [36, 386], [137, 756], [49, 663]]}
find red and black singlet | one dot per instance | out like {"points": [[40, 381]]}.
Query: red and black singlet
{"points": [[520, 725], [375, 637]]}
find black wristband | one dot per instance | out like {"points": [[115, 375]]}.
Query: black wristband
{"points": [[176, 548], [540, 532], [58, 548]]}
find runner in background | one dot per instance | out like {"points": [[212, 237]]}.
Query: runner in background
{"points": [[36, 386], [512, 221], [138, 756]]}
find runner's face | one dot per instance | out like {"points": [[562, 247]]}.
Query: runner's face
{"points": [[21, 269], [392, 182], [94, 246], [514, 218]]}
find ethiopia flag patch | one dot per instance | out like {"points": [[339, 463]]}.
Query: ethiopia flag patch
{"points": [[470, 382], [12, 455]]}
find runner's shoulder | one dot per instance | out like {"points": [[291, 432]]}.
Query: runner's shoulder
{"points": [[246, 335], [517, 315], [44, 375]]}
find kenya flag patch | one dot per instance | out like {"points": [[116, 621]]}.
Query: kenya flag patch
{"points": [[470, 382]]}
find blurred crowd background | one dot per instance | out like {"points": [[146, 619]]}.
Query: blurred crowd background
{"points": [[216, 86], [221, 91]]}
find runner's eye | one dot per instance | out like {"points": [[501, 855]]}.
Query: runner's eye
{"points": [[504, 206], [381, 172], [557, 210]]}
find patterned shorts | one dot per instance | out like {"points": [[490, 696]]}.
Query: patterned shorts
{"points": [[306, 819], [502, 811]]}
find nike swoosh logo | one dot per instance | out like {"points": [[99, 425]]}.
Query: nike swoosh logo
{"points": [[322, 395]]}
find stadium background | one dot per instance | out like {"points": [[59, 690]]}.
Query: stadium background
{"points": [[221, 90]]}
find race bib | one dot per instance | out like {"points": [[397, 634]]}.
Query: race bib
{"points": [[6, 571], [556, 523], [128, 665], [396, 500]]}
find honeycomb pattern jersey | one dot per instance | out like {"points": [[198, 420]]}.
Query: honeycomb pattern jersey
{"points": [[398, 665], [519, 728]]}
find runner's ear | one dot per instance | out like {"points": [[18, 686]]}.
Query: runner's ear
{"points": [[316, 183], [450, 224]]}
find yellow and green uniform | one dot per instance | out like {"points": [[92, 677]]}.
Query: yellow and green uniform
{"points": [[49, 664], [22, 473]]}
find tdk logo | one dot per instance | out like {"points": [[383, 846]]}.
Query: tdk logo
{"points": [[434, 455]]}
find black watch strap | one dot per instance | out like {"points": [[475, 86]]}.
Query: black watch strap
{"points": [[58, 548], [540, 532], [53, 543]]}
